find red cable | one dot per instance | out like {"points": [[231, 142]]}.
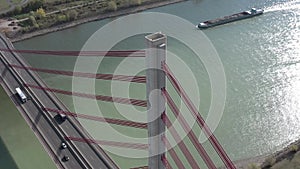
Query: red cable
{"points": [[128, 53], [165, 162], [181, 144], [173, 154], [135, 102], [168, 165], [138, 146], [217, 146], [142, 167], [137, 79], [100, 119], [189, 131]]}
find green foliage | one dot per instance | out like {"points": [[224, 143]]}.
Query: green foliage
{"points": [[59, 2], [40, 13], [124, 3], [26, 29], [139, 2], [71, 15], [33, 6], [112, 6], [270, 162], [293, 148], [29, 25], [127, 3], [136, 2], [34, 10], [25, 23], [17, 10], [33, 22], [61, 18], [253, 166], [32, 19]]}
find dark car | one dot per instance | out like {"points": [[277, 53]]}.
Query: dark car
{"points": [[66, 158]]}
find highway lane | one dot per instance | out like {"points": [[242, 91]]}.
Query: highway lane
{"points": [[92, 156], [42, 127]]}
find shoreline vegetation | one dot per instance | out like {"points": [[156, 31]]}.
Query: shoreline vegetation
{"points": [[40, 17]]}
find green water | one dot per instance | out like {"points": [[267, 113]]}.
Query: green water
{"points": [[261, 62]]}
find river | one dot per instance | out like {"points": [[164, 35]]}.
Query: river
{"points": [[260, 57]]}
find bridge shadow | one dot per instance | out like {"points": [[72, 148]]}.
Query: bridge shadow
{"points": [[38, 117], [15, 99], [6, 160], [4, 72]]}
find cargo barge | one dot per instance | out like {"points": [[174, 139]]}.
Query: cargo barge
{"points": [[235, 17]]}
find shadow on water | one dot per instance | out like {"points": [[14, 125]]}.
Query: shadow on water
{"points": [[6, 160]]}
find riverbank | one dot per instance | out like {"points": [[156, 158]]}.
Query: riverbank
{"points": [[19, 36], [286, 158]]}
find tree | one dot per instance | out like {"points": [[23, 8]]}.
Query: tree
{"points": [[253, 166], [112, 6], [33, 21], [71, 15], [17, 10], [61, 18], [33, 5], [136, 2], [40, 13], [139, 2]]}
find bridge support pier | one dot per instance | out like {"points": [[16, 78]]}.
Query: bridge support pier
{"points": [[156, 80]]}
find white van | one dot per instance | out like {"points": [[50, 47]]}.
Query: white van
{"points": [[21, 95]]}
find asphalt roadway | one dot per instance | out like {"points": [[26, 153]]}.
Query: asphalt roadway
{"points": [[49, 129]]}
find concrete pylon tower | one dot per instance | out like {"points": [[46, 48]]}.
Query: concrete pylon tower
{"points": [[156, 80]]}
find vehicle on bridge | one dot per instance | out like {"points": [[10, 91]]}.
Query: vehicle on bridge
{"points": [[21, 95], [63, 116], [63, 145], [66, 158]]}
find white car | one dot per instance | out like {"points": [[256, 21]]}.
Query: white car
{"points": [[63, 145]]}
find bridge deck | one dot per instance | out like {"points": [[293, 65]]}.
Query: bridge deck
{"points": [[48, 130]]}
